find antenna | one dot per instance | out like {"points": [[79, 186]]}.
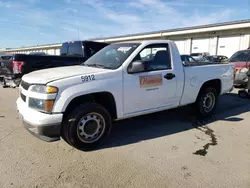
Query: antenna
{"points": [[78, 34], [77, 23]]}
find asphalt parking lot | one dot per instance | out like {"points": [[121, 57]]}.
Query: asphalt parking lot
{"points": [[166, 149]]}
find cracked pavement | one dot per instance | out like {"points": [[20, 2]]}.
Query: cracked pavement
{"points": [[156, 150]]}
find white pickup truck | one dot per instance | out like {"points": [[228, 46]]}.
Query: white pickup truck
{"points": [[123, 80]]}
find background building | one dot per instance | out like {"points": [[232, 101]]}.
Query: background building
{"points": [[217, 39]]}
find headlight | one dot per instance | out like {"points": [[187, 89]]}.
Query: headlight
{"points": [[41, 104], [44, 89], [243, 70]]}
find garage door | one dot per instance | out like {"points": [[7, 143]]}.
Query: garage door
{"points": [[228, 45], [181, 46], [57, 51], [51, 52], [200, 45]]}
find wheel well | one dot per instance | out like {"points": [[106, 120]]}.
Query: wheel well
{"points": [[105, 99], [216, 84]]}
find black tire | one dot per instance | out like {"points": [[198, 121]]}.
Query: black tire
{"points": [[71, 131], [242, 94], [4, 83], [17, 81], [201, 102]]}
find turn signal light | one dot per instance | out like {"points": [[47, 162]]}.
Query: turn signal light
{"points": [[51, 89], [48, 105]]}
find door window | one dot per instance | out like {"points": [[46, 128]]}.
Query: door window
{"points": [[155, 57]]}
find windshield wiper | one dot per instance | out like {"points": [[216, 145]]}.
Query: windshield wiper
{"points": [[96, 65]]}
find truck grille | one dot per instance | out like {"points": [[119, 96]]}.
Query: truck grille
{"points": [[25, 85], [23, 97]]}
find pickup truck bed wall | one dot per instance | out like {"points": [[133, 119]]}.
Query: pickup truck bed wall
{"points": [[194, 80]]}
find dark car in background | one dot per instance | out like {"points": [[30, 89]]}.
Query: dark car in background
{"points": [[71, 53], [187, 58], [199, 55], [216, 58], [241, 59], [205, 57]]}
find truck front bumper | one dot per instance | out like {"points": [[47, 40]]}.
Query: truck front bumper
{"points": [[44, 126]]}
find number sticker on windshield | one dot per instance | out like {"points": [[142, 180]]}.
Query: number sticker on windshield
{"points": [[88, 78]]}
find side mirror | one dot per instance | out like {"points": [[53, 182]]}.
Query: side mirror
{"points": [[136, 67]]}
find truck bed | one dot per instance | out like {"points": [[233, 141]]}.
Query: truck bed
{"points": [[198, 73]]}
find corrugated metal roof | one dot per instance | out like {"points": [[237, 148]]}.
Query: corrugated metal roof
{"points": [[149, 33], [177, 29]]}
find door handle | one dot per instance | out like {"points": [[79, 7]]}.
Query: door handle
{"points": [[169, 76]]}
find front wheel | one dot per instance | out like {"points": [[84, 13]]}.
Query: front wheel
{"points": [[207, 101], [87, 126]]}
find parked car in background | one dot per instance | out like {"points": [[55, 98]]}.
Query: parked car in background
{"points": [[241, 59], [71, 53], [199, 55], [79, 103], [216, 58], [187, 58]]}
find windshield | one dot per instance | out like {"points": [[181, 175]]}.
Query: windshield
{"points": [[240, 56], [112, 56]]}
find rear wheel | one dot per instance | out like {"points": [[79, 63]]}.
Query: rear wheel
{"points": [[87, 126], [207, 101]]}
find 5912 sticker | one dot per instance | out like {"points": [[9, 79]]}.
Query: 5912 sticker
{"points": [[88, 78]]}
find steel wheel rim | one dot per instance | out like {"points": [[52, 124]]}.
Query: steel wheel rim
{"points": [[209, 102], [91, 127]]}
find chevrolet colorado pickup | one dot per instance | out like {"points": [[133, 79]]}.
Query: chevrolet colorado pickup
{"points": [[71, 53], [123, 80]]}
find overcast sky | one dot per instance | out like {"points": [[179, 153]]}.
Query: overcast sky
{"points": [[35, 22]]}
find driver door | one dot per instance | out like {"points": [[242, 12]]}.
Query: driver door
{"points": [[152, 89]]}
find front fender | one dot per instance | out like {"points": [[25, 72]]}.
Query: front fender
{"points": [[71, 91]]}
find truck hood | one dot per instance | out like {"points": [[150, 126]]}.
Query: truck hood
{"points": [[47, 75]]}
